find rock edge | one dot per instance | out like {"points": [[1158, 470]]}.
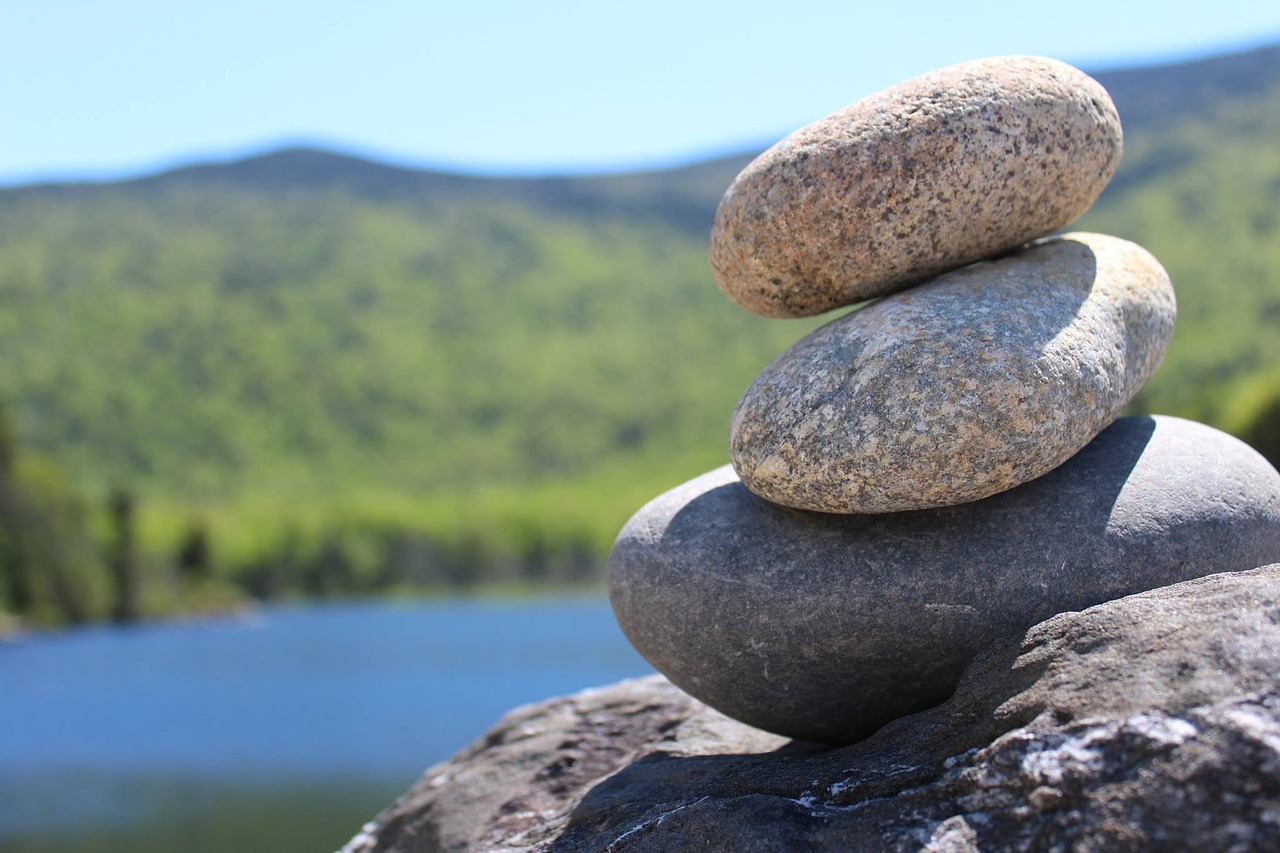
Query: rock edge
{"points": [[1054, 740]]}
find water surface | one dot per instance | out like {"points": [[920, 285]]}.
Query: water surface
{"points": [[294, 713]]}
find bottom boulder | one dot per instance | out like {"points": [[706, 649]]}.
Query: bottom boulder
{"points": [[1149, 722]]}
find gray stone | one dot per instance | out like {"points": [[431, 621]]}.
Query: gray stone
{"points": [[825, 627], [960, 388], [1147, 723], [945, 169], [510, 787]]}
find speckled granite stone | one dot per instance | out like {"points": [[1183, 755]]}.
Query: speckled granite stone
{"points": [[825, 627], [931, 174], [959, 388]]}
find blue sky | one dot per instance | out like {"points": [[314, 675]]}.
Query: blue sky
{"points": [[94, 89]]}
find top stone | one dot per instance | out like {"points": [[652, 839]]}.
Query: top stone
{"points": [[926, 176]]}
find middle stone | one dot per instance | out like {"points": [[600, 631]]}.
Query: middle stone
{"points": [[960, 388]]}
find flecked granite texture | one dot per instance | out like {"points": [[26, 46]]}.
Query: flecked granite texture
{"points": [[825, 627], [957, 389], [1055, 740], [942, 170]]}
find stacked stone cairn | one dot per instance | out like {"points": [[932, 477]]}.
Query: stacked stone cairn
{"points": [[943, 467]]}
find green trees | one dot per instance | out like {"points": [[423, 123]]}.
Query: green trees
{"points": [[122, 557], [50, 571], [322, 377], [1254, 415]]}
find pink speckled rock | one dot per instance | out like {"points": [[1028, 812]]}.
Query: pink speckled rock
{"points": [[963, 387], [934, 173]]}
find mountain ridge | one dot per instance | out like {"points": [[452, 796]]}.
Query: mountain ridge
{"points": [[1144, 95], [308, 354]]}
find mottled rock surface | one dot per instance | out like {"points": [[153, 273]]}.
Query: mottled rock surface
{"points": [[956, 165], [826, 627], [507, 789], [1147, 723], [963, 387]]}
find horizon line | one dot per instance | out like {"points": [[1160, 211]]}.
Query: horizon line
{"points": [[515, 170]]}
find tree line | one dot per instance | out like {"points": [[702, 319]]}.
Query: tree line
{"points": [[66, 560]]}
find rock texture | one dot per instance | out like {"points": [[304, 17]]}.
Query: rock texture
{"points": [[1147, 723], [960, 388], [826, 627], [929, 175], [514, 783]]}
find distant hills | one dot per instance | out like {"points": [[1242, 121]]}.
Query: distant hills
{"points": [[275, 341], [1149, 99], [685, 197]]}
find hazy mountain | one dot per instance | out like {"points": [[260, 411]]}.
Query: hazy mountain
{"points": [[304, 329]]}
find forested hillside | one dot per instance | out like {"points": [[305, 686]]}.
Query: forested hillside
{"points": [[305, 372], [1200, 187]]}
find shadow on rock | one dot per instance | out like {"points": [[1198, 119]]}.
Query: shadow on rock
{"points": [[1148, 722]]}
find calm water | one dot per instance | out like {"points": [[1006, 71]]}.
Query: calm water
{"points": [[304, 711]]}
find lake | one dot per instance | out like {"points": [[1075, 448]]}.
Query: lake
{"points": [[283, 730]]}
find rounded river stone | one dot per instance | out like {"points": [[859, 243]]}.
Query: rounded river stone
{"points": [[934, 173], [960, 388], [825, 627]]}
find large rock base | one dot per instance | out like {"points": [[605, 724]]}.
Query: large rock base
{"points": [[1149, 722]]}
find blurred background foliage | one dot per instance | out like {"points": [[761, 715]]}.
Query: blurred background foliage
{"points": [[305, 374]]}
